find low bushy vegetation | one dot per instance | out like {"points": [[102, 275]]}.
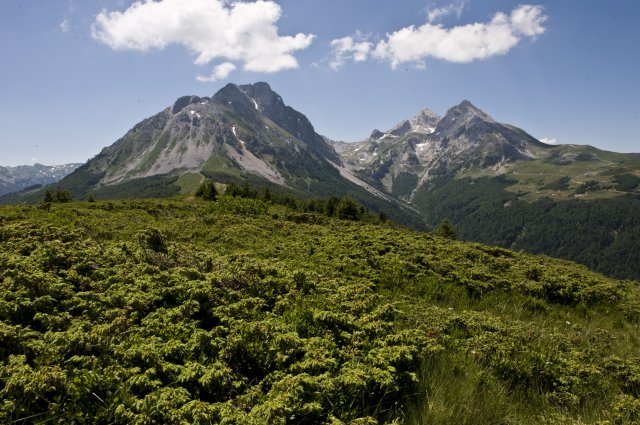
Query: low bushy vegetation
{"points": [[239, 311]]}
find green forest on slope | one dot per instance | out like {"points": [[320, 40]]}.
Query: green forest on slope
{"points": [[240, 311], [599, 233]]}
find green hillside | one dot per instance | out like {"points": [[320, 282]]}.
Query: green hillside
{"points": [[567, 172], [239, 311], [598, 229]]}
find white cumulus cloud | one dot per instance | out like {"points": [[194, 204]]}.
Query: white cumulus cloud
{"points": [[549, 140], [241, 32], [220, 72], [527, 20], [459, 44], [354, 48]]}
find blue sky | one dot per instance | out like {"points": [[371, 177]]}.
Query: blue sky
{"points": [[76, 75]]}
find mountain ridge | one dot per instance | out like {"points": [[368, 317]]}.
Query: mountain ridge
{"points": [[241, 132], [407, 155], [17, 178], [247, 129]]}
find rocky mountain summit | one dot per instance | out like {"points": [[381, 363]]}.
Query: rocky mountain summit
{"points": [[415, 151], [248, 132], [241, 132], [241, 129]]}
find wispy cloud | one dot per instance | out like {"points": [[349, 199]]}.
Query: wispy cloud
{"points": [[459, 44], [437, 13], [549, 140], [351, 48], [65, 25], [239, 32]]}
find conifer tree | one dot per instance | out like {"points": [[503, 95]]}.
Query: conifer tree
{"points": [[48, 197], [207, 191], [62, 196], [446, 230]]}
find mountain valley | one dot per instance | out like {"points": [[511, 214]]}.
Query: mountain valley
{"points": [[496, 183]]}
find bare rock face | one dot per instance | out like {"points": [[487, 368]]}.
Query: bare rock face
{"points": [[249, 130], [376, 134], [185, 101], [417, 150], [241, 129], [270, 104]]}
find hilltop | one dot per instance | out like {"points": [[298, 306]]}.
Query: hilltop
{"points": [[241, 311]]}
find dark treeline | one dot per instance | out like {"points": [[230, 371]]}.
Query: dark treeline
{"points": [[601, 234], [345, 208]]}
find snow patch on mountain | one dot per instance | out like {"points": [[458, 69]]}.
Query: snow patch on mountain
{"points": [[233, 130]]}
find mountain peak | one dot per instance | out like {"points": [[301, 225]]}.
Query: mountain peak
{"points": [[262, 96], [423, 122], [466, 104], [233, 94], [183, 102], [258, 96], [376, 134], [467, 108], [426, 113], [259, 87], [249, 99]]}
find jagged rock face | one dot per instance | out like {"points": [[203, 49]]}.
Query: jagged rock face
{"points": [[376, 134], [185, 101], [271, 105], [181, 137], [415, 151], [244, 129], [13, 179], [249, 129], [424, 122]]}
